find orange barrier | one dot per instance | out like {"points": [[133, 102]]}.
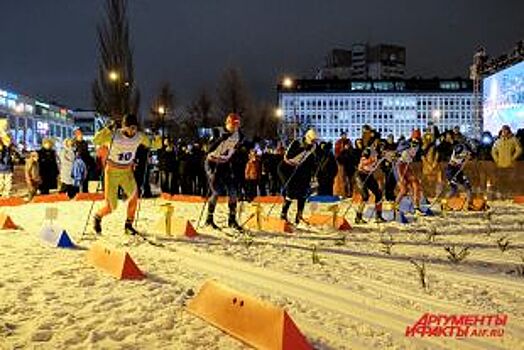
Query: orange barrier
{"points": [[11, 201], [249, 319], [170, 225], [269, 199], [459, 203], [117, 263], [89, 197], [268, 224], [194, 199], [6, 223], [518, 199], [50, 198], [166, 196], [327, 220]]}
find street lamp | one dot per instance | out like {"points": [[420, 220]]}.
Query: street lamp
{"points": [[287, 82], [162, 111], [279, 113], [113, 76]]}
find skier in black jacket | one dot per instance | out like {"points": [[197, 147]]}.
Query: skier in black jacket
{"points": [[296, 170], [221, 164]]}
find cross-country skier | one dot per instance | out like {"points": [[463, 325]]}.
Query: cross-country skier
{"points": [[222, 170], [122, 144], [455, 172], [296, 170], [407, 180], [365, 182]]}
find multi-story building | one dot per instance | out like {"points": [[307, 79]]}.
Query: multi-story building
{"points": [[364, 61], [30, 120], [390, 106]]}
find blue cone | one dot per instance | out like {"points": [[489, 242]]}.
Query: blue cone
{"points": [[65, 241], [402, 218], [406, 205], [428, 212]]}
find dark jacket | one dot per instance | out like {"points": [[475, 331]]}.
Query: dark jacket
{"points": [[297, 179]]}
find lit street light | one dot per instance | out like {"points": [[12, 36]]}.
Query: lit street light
{"points": [[287, 82], [113, 75], [162, 111], [279, 113]]}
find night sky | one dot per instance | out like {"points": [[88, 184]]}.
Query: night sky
{"points": [[49, 48]]}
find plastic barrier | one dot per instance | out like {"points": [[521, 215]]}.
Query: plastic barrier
{"points": [[327, 220], [50, 198], [268, 224], [171, 225], [11, 201], [116, 263], [89, 197], [247, 318]]}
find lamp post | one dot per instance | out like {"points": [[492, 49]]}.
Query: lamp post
{"points": [[162, 112], [288, 84]]}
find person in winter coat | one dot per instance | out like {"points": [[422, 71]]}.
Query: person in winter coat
{"points": [[327, 170], [80, 145], [222, 177], [430, 160], [67, 157], [342, 184], [273, 160], [32, 174], [296, 170], [505, 152], [506, 149], [167, 166], [389, 151], [48, 167], [252, 175], [78, 174], [6, 165]]}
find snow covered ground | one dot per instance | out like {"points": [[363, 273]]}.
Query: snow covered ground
{"points": [[362, 295]]}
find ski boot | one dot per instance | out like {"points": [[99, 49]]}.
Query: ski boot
{"points": [[359, 219], [232, 223], [129, 229], [210, 222], [378, 218], [97, 225]]}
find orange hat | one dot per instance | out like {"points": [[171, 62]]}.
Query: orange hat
{"points": [[416, 134], [233, 118]]}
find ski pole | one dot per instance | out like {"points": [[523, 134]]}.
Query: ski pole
{"points": [[99, 183]]}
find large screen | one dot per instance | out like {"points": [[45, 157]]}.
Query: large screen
{"points": [[503, 99]]}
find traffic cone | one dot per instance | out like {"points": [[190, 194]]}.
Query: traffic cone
{"points": [[6, 223]]}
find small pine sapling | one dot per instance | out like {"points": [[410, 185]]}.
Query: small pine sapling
{"points": [[387, 244], [422, 273], [314, 256], [456, 256], [503, 243]]}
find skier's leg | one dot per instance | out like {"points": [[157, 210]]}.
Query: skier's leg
{"points": [[301, 204]]}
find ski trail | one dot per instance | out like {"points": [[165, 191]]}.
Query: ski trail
{"points": [[336, 299]]}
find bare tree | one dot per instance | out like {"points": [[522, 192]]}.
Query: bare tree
{"points": [[114, 91], [163, 108], [232, 95], [265, 121], [201, 111]]}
